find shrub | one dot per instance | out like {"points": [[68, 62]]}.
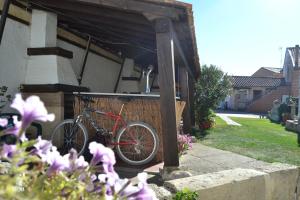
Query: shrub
{"points": [[185, 194], [36, 170], [212, 87]]}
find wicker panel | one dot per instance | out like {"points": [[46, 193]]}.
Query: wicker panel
{"points": [[145, 110]]}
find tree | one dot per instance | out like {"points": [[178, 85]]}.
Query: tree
{"points": [[212, 87]]}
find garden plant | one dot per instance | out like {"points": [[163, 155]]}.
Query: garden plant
{"points": [[212, 87], [36, 170]]}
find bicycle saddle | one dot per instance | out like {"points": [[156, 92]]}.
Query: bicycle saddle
{"points": [[86, 98]]}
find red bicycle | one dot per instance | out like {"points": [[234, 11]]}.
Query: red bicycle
{"points": [[136, 143]]}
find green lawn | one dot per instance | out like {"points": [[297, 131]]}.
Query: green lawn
{"points": [[256, 138]]}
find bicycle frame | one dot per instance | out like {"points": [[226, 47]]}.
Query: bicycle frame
{"points": [[119, 122]]}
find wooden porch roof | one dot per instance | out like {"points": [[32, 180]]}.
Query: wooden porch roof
{"points": [[125, 26]]}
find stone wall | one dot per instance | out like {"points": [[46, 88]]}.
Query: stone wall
{"points": [[276, 182]]}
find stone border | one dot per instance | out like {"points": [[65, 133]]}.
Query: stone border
{"points": [[275, 182]]}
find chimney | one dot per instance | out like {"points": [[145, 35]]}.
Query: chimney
{"points": [[297, 56], [47, 63]]}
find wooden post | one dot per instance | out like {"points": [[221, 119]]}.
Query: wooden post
{"points": [[184, 91], [3, 17], [166, 70], [191, 95]]}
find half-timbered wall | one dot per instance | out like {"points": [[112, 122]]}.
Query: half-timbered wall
{"points": [[100, 73]]}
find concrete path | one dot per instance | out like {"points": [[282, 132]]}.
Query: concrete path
{"points": [[203, 159], [199, 160], [228, 120], [226, 116]]}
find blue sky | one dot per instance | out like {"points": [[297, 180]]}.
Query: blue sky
{"points": [[240, 36]]}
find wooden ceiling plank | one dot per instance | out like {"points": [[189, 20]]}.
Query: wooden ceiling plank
{"points": [[94, 11], [140, 7]]}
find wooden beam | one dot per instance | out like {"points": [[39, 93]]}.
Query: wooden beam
{"points": [[139, 37], [185, 96], [191, 97], [123, 28], [87, 50], [3, 17], [119, 76], [72, 38], [92, 11], [50, 51], [139, 7], [166, 70], [182, 55]]}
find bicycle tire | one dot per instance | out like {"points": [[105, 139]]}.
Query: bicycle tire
{"points": [[68, 143], [120, 149]]}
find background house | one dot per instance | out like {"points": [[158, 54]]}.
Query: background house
{"points": [[257, 93], [248, 90]]}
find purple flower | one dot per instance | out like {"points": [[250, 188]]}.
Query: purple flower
{"points": [[102, 154], [144, 193], [32, 109], [56, 162], [42, 147], [75, 163], [8, 151], [3, 122]]}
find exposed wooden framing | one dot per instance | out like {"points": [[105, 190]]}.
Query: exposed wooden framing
{"points": [[125, 78], [51, 88], [3, 17], [128, 26], [182, 55], [112, 28], [67, 35], [17, 12], [87, 50], [191, 97], [139, 6], [119, 76], [184, 92], [95, 12], [22, 16], [50, 51], [144, 40], [166, 70]]}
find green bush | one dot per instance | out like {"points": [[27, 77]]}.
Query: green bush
{"points": [[185, 194], [212, 87]]}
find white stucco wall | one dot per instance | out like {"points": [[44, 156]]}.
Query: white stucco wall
{"points": [[128, 71], [100, 74], [13, 55]]}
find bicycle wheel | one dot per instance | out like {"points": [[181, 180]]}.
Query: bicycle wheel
{"points": [[68, 135], [137, 143]]}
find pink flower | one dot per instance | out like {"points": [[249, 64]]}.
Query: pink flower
{"points": [[32, 109]]}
